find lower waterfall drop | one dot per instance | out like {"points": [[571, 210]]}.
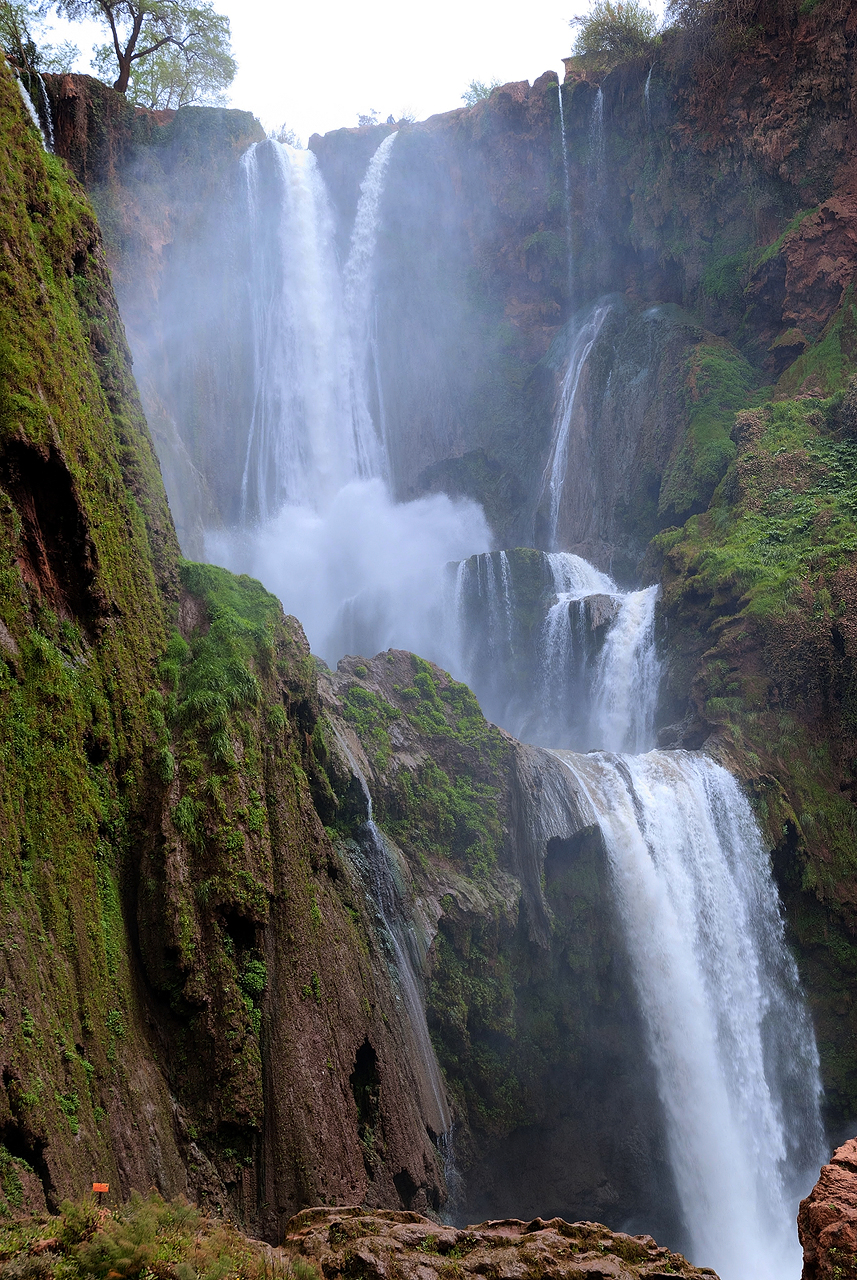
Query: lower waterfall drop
{"points": [[728, 1031]]}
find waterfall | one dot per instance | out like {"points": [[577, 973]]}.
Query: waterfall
{"points": [[32, 112], [646, 103], [46, 102], [728, 1032], [560, 656], [567, 181], [596, 138], [583, 340], [320, 526], [584, 676], [628, 676], [359, 306], [301, 446]]}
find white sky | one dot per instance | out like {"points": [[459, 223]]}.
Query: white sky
{"points": [[316, 66]]}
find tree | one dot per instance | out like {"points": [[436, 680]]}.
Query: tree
{"points": [[17, 22], [477, 90], [190, 44], [614, 32]]}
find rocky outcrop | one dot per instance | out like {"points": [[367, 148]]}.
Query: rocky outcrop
{"points": [[827, 1221], [529, 997], [383, 1245]]}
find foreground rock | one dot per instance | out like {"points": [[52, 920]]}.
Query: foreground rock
{"points": [[394, 1245], [827, 1221]]}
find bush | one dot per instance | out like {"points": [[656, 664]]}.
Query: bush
{"points": [[613, 33]]}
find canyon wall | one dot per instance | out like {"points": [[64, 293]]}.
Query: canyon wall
{"points": [[224, 825]]}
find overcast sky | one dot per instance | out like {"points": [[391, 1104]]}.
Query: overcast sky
{"points": [[314, 67]]}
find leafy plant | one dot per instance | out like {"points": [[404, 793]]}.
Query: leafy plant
{"points": [[614, 32], [478, 91]]}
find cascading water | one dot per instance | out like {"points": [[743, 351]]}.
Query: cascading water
{"points": [[32, 112], [575, 667], [553, 480], [625, 694], [320, 526], [359, 304], [305, 438], [585, 674], [646, 102], [728, 1031]]}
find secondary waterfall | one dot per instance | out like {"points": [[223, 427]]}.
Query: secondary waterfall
{"points": [[584, 673], [553, 481], [728, 1032]]}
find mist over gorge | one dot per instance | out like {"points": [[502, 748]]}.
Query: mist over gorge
{"points": [[552, 392]]}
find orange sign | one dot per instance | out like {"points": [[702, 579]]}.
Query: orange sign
{"points": [[101, 1187]]}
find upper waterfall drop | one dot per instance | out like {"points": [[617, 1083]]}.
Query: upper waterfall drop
{"points": [[728, 1030], [359, 308], [319, 524], [300, 446]]}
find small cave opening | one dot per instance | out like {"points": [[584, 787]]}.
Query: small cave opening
{"points": [[23, 1145], [406, 1187], [55, 555], [366, 1087], [241, 931]]}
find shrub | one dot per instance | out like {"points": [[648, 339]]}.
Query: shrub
{"points": [[614, 32]]}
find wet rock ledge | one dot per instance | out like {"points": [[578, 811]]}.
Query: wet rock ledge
{"points": [[390, 1245]]}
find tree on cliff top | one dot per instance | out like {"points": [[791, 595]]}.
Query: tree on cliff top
{"points": [[22, 45], [186, 47], [613, 33]]}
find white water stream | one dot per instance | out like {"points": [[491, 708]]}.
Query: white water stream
{"points": [[553, 480], [320, 526], [728, 1033]]}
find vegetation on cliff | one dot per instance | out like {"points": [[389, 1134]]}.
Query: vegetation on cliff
{"points": [[182, 945]]}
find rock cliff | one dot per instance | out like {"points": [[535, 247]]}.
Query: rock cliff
{"points": [[827, 1222], [192, 988]]}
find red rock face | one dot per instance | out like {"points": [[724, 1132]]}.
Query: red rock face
{"points": [[827, 1221]]}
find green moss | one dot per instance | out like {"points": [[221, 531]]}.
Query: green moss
{"points": [[828, 363], [719, 382]]}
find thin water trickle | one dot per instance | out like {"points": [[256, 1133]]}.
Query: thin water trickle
{"points": [[406, 962], [31, 110], [553, 480], [646, 103], [378, 869], [596, 138], [567, 183]]}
